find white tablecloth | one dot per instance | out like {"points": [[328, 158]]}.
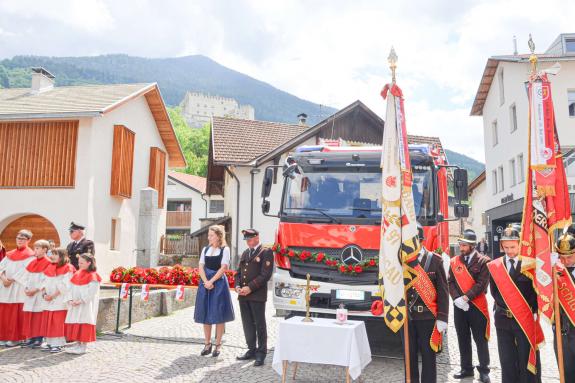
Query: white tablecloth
{"points": [[322, 341]]}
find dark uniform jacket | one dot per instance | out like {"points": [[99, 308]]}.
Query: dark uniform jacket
{"points": [[525, 286], [417, 308], [477, 267], [74, 249], [255, 272]]}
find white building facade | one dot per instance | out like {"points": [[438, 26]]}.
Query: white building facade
{"points": [[502, 102], [199, 108]]}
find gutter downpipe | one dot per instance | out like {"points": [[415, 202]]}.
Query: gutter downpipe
{"points": [[206, 203], [231, 173], [253, 172]]}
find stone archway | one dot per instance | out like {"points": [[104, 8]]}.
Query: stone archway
{"points": [[40, 227]]}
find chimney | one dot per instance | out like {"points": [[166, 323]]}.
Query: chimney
{"points": [[42, 80], [515, 45], [302, 117]]}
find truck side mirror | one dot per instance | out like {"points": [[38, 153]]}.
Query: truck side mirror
{"points": [[461, 210], [266, 206], [267, 182], [460, 185], [289, 170]]}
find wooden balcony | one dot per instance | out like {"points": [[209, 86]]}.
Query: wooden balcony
{"points": [[178, 219]]}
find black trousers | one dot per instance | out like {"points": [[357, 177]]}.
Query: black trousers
{"points": [[568, 353], [468, 323], [254, 323], [514, 349], [419, 335]]}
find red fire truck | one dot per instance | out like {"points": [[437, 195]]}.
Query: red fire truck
{"points": [[329, 223]]}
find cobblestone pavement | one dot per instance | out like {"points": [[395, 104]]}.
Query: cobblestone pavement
{"points": [[166, 349]]}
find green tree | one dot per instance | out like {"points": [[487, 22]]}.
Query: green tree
{"points": [[194, 143]]}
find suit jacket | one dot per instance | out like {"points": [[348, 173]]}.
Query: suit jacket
{"points": [[477, 267], [436, 273], [525, 286], [75, 249], [255, 272]]}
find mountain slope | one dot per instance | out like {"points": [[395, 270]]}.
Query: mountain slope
{"points": [[175, 76], [474, 167]]}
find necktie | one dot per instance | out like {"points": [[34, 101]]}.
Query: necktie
{"points": [[252, 252], [512, 267], [466, 259]]}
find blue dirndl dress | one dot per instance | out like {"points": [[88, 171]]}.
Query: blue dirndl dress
{"points": [[214, 306]]}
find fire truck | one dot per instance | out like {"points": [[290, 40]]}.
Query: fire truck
{"points": [[330, 221]]}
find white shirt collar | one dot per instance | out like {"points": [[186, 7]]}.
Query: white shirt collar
{"points": [[422, 252], [508, 264]]}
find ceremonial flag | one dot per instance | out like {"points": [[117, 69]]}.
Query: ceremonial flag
{"points": [[546, 196], [145, 294], [124, 290], [399, 241], [180, 293]]}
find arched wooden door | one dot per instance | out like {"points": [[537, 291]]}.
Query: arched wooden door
{"points": [[40, 227]]}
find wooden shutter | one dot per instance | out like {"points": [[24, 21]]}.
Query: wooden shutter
{"points": [[157, 176], [122, 162], [38, 154]]}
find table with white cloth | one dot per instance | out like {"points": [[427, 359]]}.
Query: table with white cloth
{"points": [[322, 341]]}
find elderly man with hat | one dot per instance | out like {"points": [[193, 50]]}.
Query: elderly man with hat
{"points": [[79, 244], [468, 280], [565, 271], [251, 281], [518, 331]]}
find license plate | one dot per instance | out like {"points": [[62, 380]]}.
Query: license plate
{"points": [[350, 295]]}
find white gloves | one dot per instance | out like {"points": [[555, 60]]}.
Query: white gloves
{"points": [[441, 326], [554, 258], [460, 302]]}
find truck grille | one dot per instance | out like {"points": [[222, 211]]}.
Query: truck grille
{"points": [[322, 273]]}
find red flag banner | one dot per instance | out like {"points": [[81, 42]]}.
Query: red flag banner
{"points": [[546, 196]]}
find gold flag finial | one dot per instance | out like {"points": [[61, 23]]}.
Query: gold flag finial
{"points": [[533, 57], [392, 60]]}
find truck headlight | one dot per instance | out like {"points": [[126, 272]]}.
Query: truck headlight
{"points": [[285, 290]]}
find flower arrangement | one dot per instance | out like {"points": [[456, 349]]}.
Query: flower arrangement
{"points": [[319, 257], [176, 275]]}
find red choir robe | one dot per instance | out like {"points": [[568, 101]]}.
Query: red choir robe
{"points": [[80, 324], [12, 297], [33, 277], [56, 279]]}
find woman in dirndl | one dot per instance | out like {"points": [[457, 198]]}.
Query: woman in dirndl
{"points": [[214, 302]]}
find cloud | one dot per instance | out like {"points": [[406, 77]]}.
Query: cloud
{"points": [[330, 52]]}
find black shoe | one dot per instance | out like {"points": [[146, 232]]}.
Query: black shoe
{"points": [[28, 343], [463, 374], [207, 350], [484, 378], [259, 361], [247, 356], [216, 352]]}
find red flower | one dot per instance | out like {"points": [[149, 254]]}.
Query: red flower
{"points": [[372, 262], [350, 268], [342, 268], [358, 269], [291, 253], [320, 257]]}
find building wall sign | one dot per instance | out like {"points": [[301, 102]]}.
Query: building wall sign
{"points": [[507, 198]]}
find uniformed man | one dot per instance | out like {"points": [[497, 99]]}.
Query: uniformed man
{"points": [[254, 272], [468, 281], [516, 322], [428, 308], [565, 269], [79, 244]]}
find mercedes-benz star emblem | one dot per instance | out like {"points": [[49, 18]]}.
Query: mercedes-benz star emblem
{"points": [[351, 255]]}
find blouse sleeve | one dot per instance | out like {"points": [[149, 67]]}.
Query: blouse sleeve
{"points": [[226, 256], [90, 292], [203, 257]]}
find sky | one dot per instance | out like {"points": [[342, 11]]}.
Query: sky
{"points": [[331, 52]]}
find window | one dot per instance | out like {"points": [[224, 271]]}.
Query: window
{"points": [[494, 178], [217, 206], [157, 174], [122, 162], [494, 133], [570, 45], [501, 179], [38, 154], [176, 205], [115, 234], [512, 171], [571, 102], [521, 166], [569, 161], [501, 87], [513, 117]]}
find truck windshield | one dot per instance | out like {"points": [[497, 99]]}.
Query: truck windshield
{"points": [[349, 194]]}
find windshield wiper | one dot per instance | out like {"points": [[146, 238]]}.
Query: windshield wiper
{"points": [[366, 208], [332, 218]]}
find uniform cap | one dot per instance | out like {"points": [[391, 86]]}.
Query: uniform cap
{"points": [[250, 233], [75, 226]]}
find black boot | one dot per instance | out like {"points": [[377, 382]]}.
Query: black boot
{"points": [[247, 356], [463, 374], [484, 378]]}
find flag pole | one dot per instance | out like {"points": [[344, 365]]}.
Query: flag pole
{"points": [[558, 327], [392, 59]]}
